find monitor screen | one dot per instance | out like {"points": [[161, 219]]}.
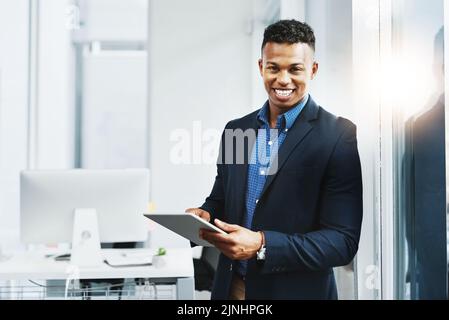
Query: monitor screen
{"points": [[49, 198]]}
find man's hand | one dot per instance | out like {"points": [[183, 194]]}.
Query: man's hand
{"points": [[239, 244], [200, 213]]}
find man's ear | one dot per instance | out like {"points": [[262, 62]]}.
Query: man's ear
{"points": [[314, 70], [260, 67]]}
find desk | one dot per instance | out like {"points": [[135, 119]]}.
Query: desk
{"points": [[35, 265]]}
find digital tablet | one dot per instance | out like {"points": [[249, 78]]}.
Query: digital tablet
{"points": [[185, 224]]}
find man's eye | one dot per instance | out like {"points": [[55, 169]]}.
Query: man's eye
{"points": [[272, 69], [297, 70]]}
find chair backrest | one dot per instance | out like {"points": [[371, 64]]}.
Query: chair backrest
{"points": [[210, 256]]}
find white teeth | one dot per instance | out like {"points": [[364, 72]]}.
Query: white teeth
{"points": [[283, 93]]}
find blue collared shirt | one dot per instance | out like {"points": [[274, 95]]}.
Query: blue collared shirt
{"points": [[265, 149]]}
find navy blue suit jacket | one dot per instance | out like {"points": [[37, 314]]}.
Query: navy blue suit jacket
{"points": [[310, 210]]}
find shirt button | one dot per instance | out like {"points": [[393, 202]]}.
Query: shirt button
{"points": [[262, 172], [270, 143], [285, 130], [257, 200]]}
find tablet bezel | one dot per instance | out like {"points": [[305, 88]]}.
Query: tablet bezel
{"points": [[196, 223]]}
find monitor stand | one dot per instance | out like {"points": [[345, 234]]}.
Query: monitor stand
{"points": [[86, 249]]}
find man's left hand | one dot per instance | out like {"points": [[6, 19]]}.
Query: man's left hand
{"points": [[239, 244]]}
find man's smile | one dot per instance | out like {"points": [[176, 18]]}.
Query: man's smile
{"points": [[283, 93]]}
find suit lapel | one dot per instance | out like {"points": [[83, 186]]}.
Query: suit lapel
{"points": [[295, 136], [241, 170]]}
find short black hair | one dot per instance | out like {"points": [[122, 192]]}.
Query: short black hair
{"points": [[289, 31]]}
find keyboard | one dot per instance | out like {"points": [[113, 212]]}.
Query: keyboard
{"points": [[128, 259]]}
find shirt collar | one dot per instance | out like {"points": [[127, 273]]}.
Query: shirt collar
{"points": [[284, 120]]}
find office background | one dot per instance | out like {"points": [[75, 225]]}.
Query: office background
{"points": [[117, 83]]}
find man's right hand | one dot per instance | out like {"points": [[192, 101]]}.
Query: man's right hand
{"points": [[200, 213]]}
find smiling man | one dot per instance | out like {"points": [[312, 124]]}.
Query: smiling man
{"points": [[293, 218]]}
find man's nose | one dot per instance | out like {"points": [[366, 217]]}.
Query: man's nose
{"points": [[284, 78]]}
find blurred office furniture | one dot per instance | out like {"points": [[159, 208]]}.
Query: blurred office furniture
{"points": [[51, 203], [91, 205], [31, 269], [89, 285]]}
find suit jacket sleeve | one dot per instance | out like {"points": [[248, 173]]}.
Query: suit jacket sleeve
{"points": [[335, 242], [214, 203]]}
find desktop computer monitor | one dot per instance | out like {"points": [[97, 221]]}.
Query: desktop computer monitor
{"points": [[50, 198]]}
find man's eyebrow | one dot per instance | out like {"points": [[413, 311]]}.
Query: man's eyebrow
{"points": [[299, 64]]}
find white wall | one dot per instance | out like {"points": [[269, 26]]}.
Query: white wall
{"points": [[112, 73], [332, 25], [199, 70], [55, 108], [293, 9], [13, 110], [115, 20], [114, 124]]}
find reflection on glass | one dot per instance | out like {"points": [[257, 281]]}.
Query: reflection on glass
{"points": [[426, 217], [421, 188]]}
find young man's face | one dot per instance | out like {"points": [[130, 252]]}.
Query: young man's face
{"points": [[286, 70]]}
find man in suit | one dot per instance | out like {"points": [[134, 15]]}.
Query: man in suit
{"points": [[293, 218]]}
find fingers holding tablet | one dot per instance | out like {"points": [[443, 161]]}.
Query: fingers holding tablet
{"points": [[203, 214]]}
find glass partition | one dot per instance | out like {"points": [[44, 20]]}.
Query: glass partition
{"points": [[417, 93]]}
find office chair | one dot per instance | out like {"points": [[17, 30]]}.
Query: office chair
{"points": [[205, 267]]}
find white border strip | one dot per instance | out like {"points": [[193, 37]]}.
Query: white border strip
{"points": [[33, 49], [387, 155], [366, 68]]}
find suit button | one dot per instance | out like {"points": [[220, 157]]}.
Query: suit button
{"points": [[230, 268]]}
